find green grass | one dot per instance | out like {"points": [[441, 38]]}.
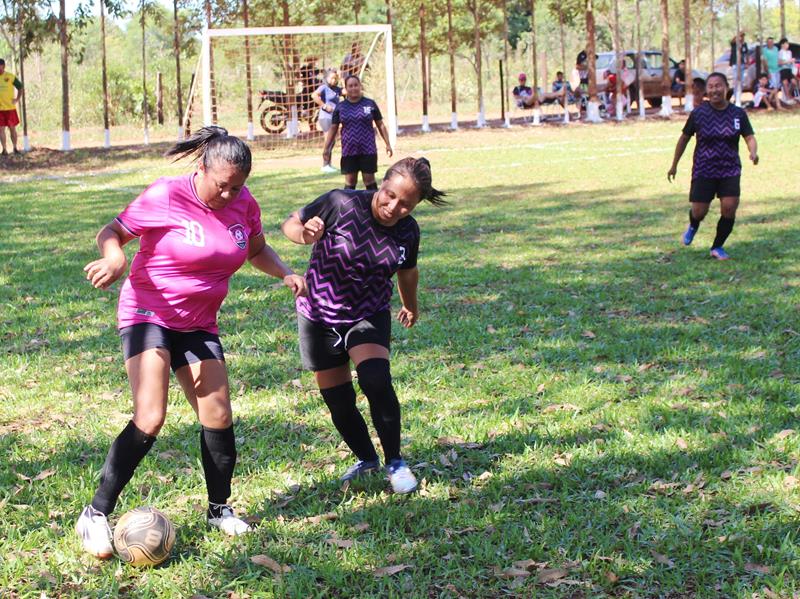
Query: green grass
{"points": [[627, 397]]}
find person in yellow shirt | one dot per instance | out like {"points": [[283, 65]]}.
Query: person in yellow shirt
{"points": [[8, 106]]}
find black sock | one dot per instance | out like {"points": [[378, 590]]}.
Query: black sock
{"points": [[218, 451], [372, 186], [375, 380], [341, 401], [349, 186], [724, 228], [124, 456], [694, 222]]}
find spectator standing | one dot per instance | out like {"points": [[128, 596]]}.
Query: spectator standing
{"points": [[8, 107], [769, 55], [786, 73], [327, 96]]}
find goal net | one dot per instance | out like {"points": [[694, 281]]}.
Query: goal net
{"points": [[257, 82]]}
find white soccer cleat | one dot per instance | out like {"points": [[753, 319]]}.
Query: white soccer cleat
{"points": [[228, 523], [92, 527], [400, 476]]}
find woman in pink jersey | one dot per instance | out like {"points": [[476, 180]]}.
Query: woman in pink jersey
{"points": [[194, 232]]}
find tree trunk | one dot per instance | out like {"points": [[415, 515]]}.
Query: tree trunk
{"points": [[478, 66], [619, 110], [666, 83], [176, 47], [144, 78], [592, 108], [23, 107], [62, 27], [248, 69], [688, 103], [534, 65], [563, 40], [783, 18], [424, 63], [207, 5], [159, 98], [504, 71], [451, 50], [104, 75], [639, 60], [738, 70], [713, 34]]}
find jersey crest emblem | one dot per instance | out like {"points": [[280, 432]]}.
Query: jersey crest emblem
{"points": [[238, 236]]}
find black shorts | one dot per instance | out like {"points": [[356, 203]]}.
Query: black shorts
{"points": [[787, 75], [705, 189], [184, 347], [365, 163], [323, 346]]}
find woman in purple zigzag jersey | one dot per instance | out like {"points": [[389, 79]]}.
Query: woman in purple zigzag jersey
{"points": [[716, 169], [361, 239], [356, 115]]}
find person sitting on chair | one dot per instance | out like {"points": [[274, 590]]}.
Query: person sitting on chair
{"points": [[523, 94]]}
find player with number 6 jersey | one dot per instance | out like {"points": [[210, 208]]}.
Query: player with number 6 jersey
{"points": [[194, 232]]}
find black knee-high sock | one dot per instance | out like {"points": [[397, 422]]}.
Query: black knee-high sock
{"points": [[341, 401], [124, 456], [694, 222], [372, 186], [724, 228], [375, 380], [218, 451], [349, 186]]}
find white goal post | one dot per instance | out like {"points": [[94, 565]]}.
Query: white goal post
{"points": [[372, 36]]}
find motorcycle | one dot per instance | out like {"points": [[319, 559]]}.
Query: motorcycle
{"points": [[277, 111]]}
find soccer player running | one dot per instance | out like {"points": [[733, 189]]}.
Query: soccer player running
{"points": [[194, 232], [717, 169], [361, 238], [355, 114]]}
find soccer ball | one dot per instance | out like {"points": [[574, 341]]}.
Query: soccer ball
{"points": [[144, 537]]}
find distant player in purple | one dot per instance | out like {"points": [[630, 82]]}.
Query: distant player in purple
{"points": [[361, 238], [717, 168], [194, 232], [355, 115]]}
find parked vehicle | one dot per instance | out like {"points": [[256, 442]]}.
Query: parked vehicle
{"points": [[722, 64], [651, 73]]}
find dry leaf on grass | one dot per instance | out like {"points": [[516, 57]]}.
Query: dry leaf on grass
{"points": [[390, 570], [551, 575], [682, 444], [611, 577], [361, 527], [600, 494], [662, 559], [340, 543], [512, 572], [271, 564], [784, 433], [726, 475], [557, 407], [588, 334], [759, 568]]}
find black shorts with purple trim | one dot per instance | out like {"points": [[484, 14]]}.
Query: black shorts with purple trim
{"points": [[323, 346]]}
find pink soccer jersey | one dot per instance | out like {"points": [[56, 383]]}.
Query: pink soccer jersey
{"points": [[187, 252]]}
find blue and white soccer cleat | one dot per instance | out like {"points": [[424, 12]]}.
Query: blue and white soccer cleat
{"points": [[360, 468], [688, 237], [719, 254], [225, 520], [401, 477]]}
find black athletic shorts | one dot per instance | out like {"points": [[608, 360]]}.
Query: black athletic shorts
{"points": [[705, 189], [183, 347], [323, 346], [787, 75], [365, 163]]}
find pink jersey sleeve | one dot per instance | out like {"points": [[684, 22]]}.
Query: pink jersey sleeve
{"points": [[254, 218], [149, 211]]}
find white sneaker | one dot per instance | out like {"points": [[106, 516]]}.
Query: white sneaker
{"points": [[92, 528], [329, 170], [228, 523], [401, 477]]}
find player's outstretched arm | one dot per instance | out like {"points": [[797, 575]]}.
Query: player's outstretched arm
{"points": [[407, 282], [303, 233], [103, 272], [265, 259], [752, 145], [680, 148], [385, 135]]}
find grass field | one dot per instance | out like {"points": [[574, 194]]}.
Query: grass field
{"points": [[593, 409]]}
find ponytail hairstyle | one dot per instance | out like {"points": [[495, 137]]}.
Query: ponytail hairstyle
{"points": [[211, 145], [419, 171]]}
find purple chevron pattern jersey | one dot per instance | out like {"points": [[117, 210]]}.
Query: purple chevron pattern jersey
{"points": [[356, 118], [716, 152], [350, 274]]}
